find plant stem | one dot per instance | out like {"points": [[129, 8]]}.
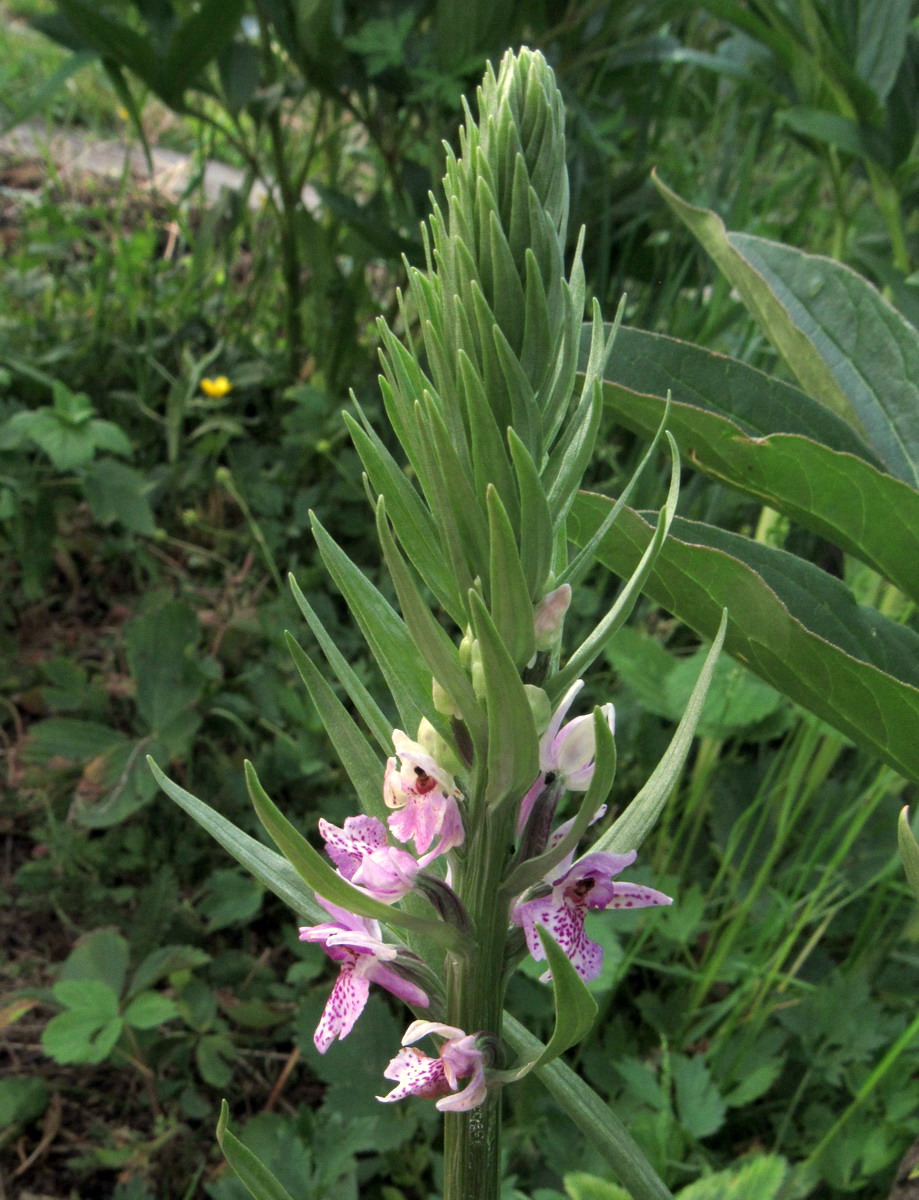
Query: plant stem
{"points": [[472, 1141]]}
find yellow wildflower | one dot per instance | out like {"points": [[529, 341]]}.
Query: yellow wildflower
{"points": [[216, 388]]}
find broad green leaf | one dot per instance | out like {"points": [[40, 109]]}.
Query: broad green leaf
{"points": [[248, 1168], [761, 1177], [100, 956], [364, 768], [22, 1098], [195, 43], [81, 1036], [268, 867], [646, 366], [326, 882], [909, 850], [883, 31], [593, 644], [513, 747], [580, 1186], [112, 40], [149, 1009], [575, 1007], [116, 492], [848, 347], [404, 670], [508, 594], [592, 1115], [87, 995], [791, 623], [721, 412]]}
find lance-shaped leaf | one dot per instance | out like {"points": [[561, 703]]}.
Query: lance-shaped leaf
{"points": [[513, 747], [848, 347], [593, 1116], [508, 595], [354, 751], [534, 869], [429, 635], [791, 623], [490, 462], [403, 668], [326, 882], [376, 719], [268, 867], [909, 850], [575, 1009], [410, 518], [248, 1168], [634, 825], [585, 557], [593, 644], [536, 532], [809, 465]]}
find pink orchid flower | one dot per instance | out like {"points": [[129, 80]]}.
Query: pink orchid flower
{"points": [[362, 853], [355, 943], [425, 796], [567, 752], [587, 884], [418, 1075]]}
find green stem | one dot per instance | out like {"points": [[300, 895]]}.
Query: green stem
{"points": [[472, 1141]]}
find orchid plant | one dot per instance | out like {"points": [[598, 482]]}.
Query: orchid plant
{"points": [[459, 864]]}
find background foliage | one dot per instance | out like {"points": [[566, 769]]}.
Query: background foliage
{"points": [[145, 526]]}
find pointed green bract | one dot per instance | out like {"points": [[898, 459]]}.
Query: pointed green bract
{"points": [[325, 881]]}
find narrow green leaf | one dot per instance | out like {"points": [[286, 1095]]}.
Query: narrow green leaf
{"points": [[513, 747], [268, 867], [325, 880], [508, 595], [410, 518], [364, 767], [252, 1173], [593, 1116], [430, 637], [909, 850], [631, 829], [377, 722], [584, 560], [593, 644], [791, 623], [534, 869], [403, 668], [848, 347], [536, 531]]}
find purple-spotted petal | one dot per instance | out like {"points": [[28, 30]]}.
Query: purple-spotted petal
{"points": [[343, 1007], [417, 1075], [347, 846]]}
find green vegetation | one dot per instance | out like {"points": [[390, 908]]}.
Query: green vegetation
{"points": [[760, 1037]]}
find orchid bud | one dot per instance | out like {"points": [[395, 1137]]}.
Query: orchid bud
{"points": [[438, 747], [540, 707], [443, 701], [549, 617]]}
